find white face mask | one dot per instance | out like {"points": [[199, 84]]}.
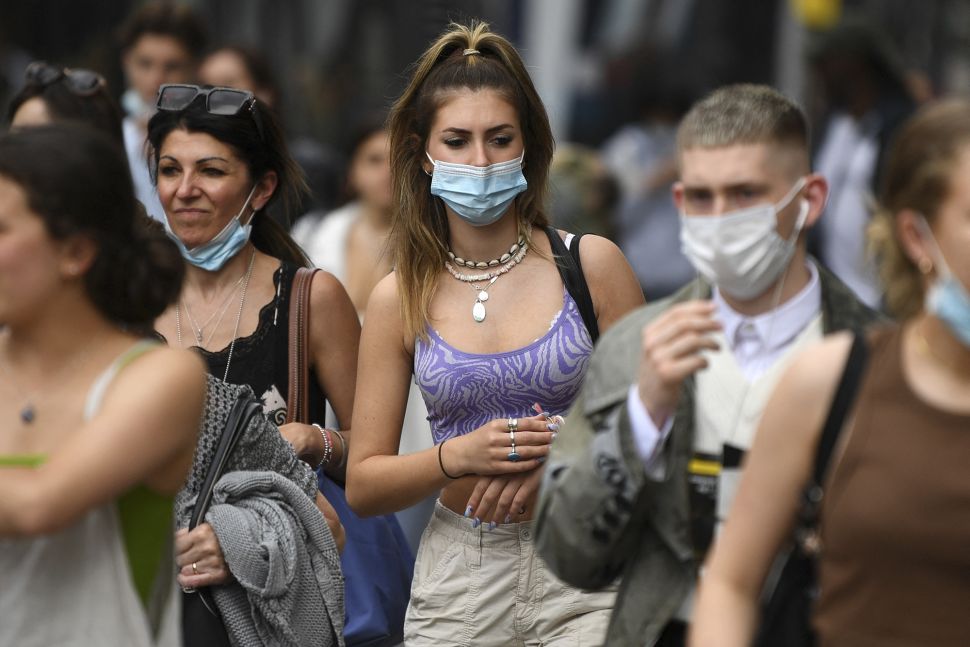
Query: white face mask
{"points": [[741, 252]]}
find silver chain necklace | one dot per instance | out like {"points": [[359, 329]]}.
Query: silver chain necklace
{"points": [[197, 330], [235, 330]]}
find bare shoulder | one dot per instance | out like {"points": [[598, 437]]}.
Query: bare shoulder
{"points": [[177, 366], [815, 371], [326, 289], [384, 299], [612, 283]]}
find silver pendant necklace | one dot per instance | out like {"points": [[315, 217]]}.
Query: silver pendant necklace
{"points": [[235, 330], [28, 412], [478, 310]]}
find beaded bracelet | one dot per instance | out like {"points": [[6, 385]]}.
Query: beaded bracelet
{"points": [[327, 446]]}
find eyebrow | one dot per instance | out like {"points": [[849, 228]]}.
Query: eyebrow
{"points": [[214, 158], [463, 131]]}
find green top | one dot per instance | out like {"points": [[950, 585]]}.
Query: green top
{"points": [[145, 517]]}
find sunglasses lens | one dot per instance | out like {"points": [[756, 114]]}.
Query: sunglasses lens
{"points": [[176, 97], [84, 82], [40, 73], [227, 102]]}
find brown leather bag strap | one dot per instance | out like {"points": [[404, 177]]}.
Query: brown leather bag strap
{"points": [[297, 406]]}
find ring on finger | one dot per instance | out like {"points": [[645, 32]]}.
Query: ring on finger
{"points": [[195, 568], [513, 424]]}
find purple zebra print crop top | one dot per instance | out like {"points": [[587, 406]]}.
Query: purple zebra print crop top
{"points": [[463, 391]]}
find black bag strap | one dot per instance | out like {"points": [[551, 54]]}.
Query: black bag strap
{"points": [[855, 368], [242, 411], [571, 271]]}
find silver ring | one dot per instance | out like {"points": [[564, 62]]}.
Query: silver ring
{"points": [[513, 424], [512, 437], [514, 456]]}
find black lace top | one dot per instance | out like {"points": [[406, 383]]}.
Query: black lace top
{"points": [[260, 360]]}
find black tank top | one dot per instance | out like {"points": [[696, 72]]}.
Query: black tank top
{"points": [[261, 359]]}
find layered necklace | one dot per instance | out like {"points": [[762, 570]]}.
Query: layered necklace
{"points": [[501, 265], [235, 331]]}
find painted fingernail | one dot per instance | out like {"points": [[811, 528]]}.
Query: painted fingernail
{"points": [[554, 434], [508, 518], [468, 511], [476, 522], [552, 426], [491, 526], [538, 409]]}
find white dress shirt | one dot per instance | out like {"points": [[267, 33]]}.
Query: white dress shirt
{"points": [[757, 343]]}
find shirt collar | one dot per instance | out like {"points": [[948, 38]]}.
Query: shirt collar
{"points": [[775, 328]]}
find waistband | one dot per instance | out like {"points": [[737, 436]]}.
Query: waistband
{"points": [[459, 528]]}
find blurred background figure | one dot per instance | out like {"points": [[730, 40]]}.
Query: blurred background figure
{"points": [[351, 244], [642, 156], [236, 66], [92, 451], [865, 96], [583, 192], [160, 43], [247, 68], [53, 93]]}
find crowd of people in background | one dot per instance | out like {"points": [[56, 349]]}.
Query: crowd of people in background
{"points": [[460, 384]]}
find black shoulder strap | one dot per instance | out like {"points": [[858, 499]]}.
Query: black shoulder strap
{"points": [[571, 271], [845, 394]]}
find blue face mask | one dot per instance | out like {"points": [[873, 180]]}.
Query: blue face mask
{"points": [[480, 195], [211, 256], [947, 299]]}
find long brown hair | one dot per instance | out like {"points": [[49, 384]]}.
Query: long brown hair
{"points": [[419, 232]]}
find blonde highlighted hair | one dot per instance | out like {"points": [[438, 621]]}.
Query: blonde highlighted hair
{"points": [[918, 177], [463, 57]]}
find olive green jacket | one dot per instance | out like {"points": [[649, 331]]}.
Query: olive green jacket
{"points": [[600, 516]]}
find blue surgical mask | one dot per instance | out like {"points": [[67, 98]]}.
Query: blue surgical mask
{"points": [[948, 299], [211, 256], [480, 195]]}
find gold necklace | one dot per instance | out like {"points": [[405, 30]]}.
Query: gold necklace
{"points": [[923, 345]]}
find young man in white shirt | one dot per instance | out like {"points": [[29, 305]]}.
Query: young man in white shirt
{"points": [[645, 467]]}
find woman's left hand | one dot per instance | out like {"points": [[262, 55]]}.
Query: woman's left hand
{"points": [[306, 441], [199, 558], [505, 498]]}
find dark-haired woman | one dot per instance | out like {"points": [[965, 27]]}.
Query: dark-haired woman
{"points": [[219, 160], [92, 451], [477, 311], [54, 94]]}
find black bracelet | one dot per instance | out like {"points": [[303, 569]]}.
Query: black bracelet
{"points": [[442, 464]]}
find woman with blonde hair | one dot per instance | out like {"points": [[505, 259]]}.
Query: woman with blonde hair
{"points": [[893, 565], [478, 311]]}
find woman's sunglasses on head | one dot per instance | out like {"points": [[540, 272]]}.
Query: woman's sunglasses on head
{"points": [[80, 82], [218, 100]]}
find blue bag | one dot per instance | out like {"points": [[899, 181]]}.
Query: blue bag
{"points": [[378, 566]]}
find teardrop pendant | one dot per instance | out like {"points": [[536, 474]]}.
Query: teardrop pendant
{"points": [[478, 311], [28, 413]]}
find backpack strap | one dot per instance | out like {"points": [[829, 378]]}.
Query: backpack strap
{"points": [[571, 270]]}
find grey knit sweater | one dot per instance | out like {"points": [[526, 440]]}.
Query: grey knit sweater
{"points": [[290, 591]]}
